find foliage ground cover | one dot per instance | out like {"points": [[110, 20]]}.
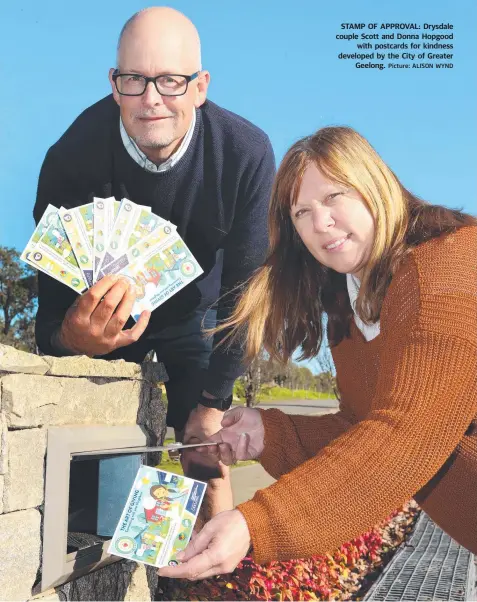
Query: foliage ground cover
{"points": [[345, 574]]}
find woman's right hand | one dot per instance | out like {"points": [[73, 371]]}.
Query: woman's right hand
{"points": [[241, 437]]}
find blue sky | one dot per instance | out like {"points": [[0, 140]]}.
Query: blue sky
{"points": [[273, 62]]}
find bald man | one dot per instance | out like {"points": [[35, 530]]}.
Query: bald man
{"points": [[157, 141]]}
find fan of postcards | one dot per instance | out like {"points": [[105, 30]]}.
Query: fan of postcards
{"points": [[80, 246]]}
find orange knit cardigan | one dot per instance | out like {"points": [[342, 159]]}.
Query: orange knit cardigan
{"points": [[406, 426]]}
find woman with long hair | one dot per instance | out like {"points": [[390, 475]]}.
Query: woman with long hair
{"points": [[396, 278]]}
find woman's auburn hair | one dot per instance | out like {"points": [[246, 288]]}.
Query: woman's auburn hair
{"points": [[281, 307]]}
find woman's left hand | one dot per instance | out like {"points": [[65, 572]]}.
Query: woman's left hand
{"points": [[217, 549]]}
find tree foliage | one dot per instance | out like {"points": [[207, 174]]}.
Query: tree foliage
{"points": [[18, 294], [265, 372], [328, 372]]}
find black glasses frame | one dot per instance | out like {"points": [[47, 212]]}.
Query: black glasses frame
{"points": [[188, 79]]}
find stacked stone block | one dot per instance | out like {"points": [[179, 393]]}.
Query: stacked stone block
{"points": [[37, 392]]}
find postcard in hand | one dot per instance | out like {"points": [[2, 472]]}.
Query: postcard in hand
{"points": [[132, 223], [53, 254], [161, 272], [155, 239], [104, 215], [78, 225], [50, 215], [158, 518]]}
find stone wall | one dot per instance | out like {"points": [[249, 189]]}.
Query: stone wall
{"points": [[40, 391]]}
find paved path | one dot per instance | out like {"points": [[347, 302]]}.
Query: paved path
{"points": [[302, 406]]}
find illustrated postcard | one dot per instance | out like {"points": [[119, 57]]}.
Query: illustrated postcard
{"points": [[153, 241], [53, 254], [104, 216], [161, 272], [157, 521], [132, 223], [48, 216], [78, 225]]}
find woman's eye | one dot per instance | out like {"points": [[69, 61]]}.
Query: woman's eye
{"points": [[332, 196], [300, 212]]}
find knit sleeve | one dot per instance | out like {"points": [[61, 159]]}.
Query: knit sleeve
{"points": [[425, 398], [244, 251], [290, 440]]}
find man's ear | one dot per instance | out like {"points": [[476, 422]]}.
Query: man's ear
{"points": [[113, 86], [203, 81]]}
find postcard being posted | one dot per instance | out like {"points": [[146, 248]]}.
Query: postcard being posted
{"points": [[158, 518]]}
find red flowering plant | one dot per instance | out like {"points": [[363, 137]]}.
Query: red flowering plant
{"points": [[336, 576]]}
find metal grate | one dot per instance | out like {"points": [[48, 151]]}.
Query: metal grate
{"points": [[79, 541], [429, 566]]}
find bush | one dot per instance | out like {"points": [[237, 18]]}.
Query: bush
{"points": [[239, 389]]}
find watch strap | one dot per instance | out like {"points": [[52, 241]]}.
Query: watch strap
{"points": [[218, 403]]}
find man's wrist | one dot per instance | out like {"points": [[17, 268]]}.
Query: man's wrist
{"points": [[208, 412], [58, 344], [217, 403]]}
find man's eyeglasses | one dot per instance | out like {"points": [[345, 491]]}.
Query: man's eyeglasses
{"points": [[133, 84]]}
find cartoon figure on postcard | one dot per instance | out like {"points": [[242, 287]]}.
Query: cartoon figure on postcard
{"points": [[158, 518]]}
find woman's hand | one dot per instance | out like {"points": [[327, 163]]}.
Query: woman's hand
{"points": [[241, 437], [217, 549]]}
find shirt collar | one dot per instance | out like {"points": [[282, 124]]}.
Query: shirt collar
{"points": [[353, 289], [370, 331], [141, 159]]}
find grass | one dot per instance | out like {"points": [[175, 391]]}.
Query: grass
{"points": [[170, 465], [282, 394], [271, 394]]}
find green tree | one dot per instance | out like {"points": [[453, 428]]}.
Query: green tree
{"points": [[327, 378], [252, 381], [300, 377], [18, 294]]}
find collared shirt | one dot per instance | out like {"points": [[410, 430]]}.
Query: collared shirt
{"points": [[370, 331], [141, 159]]}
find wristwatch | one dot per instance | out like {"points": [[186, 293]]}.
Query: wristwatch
{"points": [[219, 403]]}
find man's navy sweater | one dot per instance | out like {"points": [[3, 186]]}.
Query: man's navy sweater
{"points": [[217, 195]]}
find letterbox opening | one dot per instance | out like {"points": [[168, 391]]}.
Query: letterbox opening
{"points": [[99, 488], [84, 497]]}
